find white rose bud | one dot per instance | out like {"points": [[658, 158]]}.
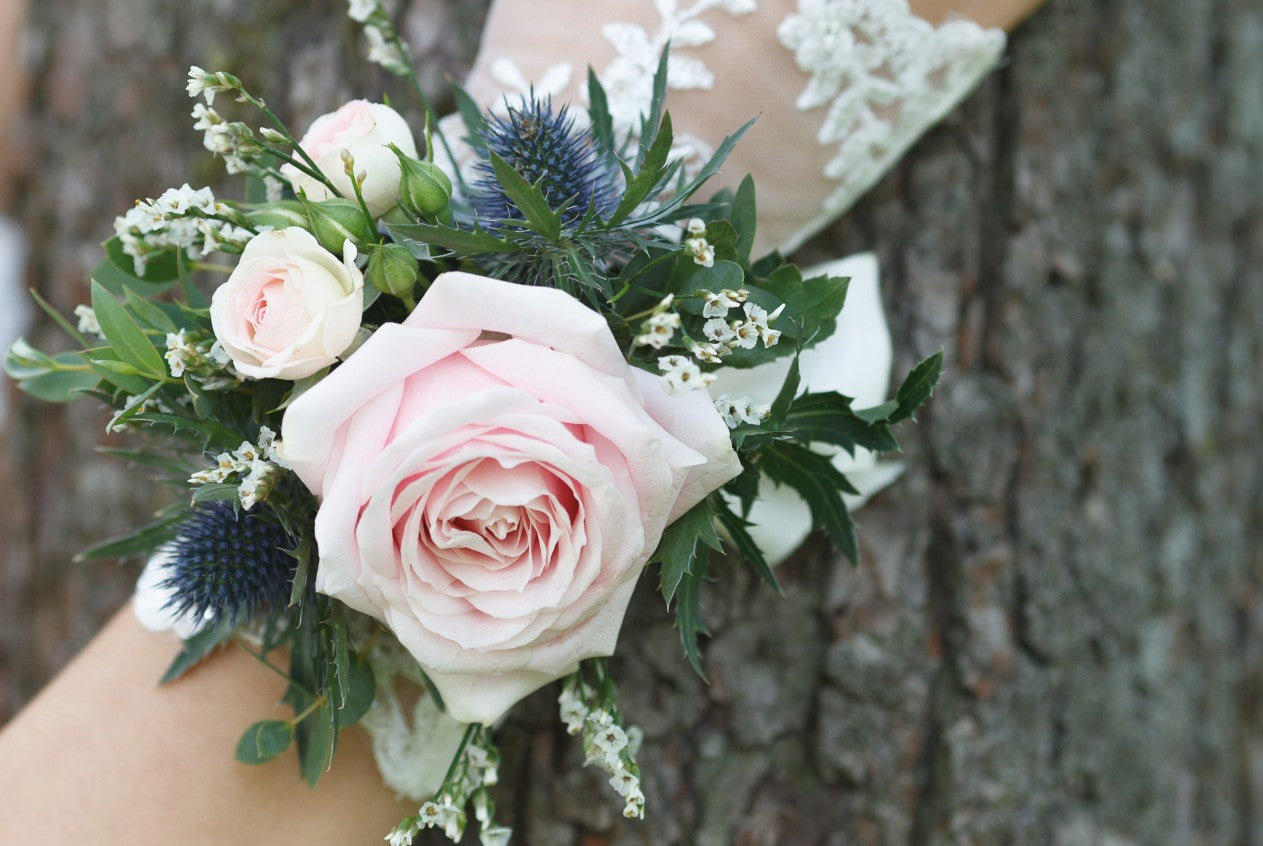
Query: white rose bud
{"points": [[362, 130], [290, 307]]}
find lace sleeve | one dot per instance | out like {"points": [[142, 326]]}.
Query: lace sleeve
{"points": [[842, 87]]}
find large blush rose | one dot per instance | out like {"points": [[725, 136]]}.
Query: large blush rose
{"points": [[290, 307], [493, 477], [364, 130]]}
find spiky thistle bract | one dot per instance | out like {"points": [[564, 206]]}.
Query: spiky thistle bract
{"points": [[546, 148], [233, 564]]}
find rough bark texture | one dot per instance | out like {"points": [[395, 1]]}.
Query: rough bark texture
{"points": [[1057, 633]]}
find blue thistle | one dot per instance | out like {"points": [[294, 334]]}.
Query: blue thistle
{"points": [[233, 564], [540, 143]]}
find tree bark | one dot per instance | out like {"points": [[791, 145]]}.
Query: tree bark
{"points": [[1056, 635]]}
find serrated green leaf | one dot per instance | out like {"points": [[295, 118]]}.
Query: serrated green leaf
{"points": [[528, 198], [147, 458], [211, 433], [877, 413], [263, 741], [820, 484], [688, 616], [678, 551], [317, 737], [827, 417], [649, 173], [124, 336], [472, 116], [785, 396], [462, 242], [743, 218], [195, 649], [140, 541], [653, 117], [917, 388], [361, 688], [749, 552], [599, 112]]}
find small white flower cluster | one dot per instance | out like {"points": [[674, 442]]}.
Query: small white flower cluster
{"points": [[736, 411], [209, 83], [253, 465], [471, 775], [202, 358], [739, 333], [696, 243], [384, 47], [605, 742], [681, 374], [182, 219], [232, 141], [657, 331], [88, 324]]}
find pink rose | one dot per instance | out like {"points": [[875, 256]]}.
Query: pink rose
{"points": [[364, 130], [493, 477], [290, 307]]}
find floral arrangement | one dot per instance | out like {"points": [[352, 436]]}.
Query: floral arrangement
{"points": [[456, 409]]}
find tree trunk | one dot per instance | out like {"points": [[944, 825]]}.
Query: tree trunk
{"points": [[1056, 635]]}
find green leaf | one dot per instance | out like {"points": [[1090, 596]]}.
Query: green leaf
{"points": [[195, 649], [827, 418], [214, 493], [735, 527], [688, 616], [263, 741], [918, 387], [599, 112], [649, 174], [159, 267], [278, 215], [472, 116], [141, 541], [529, 199], [361, 688], [302, 552], [743, 218], [121, 375], [317, 736], [462, 242], [678, 552], [810, 316], [149, 312], [58, 378], [652, 122], [58, 318], [212, 434], [820, 484], [877, 413], [785, 396], [124, 336]]}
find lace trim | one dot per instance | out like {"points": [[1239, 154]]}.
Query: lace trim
{"points": [[885, 76]]}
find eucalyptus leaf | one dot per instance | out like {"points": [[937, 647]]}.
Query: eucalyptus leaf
{"points": [[263, 741]]}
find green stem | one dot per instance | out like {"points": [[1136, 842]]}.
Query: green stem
{"points": [[316, 703], [430, 114]]}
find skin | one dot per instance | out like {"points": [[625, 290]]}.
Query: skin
{"points": [[104, 752]]}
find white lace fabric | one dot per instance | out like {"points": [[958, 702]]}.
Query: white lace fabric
{"points": [[842, 88]]}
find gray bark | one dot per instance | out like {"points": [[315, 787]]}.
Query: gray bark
{"points": [[1057, 632]]}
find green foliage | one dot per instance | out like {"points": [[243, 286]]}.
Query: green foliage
{"points": [[195, 649], [264, 740], [678, 551]]}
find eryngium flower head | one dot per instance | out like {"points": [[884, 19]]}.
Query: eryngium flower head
{"points": [[231, 564], [541, 144]]}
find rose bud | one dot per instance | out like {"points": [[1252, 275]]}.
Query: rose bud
{"points": [[334, 221], [392, 269], [363, 130], [424, 188]]}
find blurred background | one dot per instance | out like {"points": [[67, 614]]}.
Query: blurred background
{"points": [[1057, 632]]}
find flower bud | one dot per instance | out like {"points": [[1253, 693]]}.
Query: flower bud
{"points": [[334, 221], [392, 269], [424, 188]]}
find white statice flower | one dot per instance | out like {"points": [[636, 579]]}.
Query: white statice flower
{"points": [[362, 10], [611, 740], [736, 411], [496, 835], [719, 331], [624, 782], [385, 52], [703, 252], [658, 330], [88, 323], [719, 303], [635, 807], [695, 226], [180, 219], [680, 373], [208, 84], [745, 335], [402, 836], [708, 352], [573, 710], [180, 354]]}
